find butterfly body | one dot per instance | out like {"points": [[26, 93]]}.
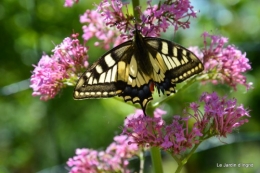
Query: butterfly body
{"points": [[132, 70]]}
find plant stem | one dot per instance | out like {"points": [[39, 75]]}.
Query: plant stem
{"points": [[135, 4], [182, 162], [156, 159], [141, 156]]}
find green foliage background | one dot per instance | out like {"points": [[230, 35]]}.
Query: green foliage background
{"points": [[41, 136]]}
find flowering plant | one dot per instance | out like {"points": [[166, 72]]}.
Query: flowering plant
{"points": [[212, 115]]}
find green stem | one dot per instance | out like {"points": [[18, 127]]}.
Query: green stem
{"points": [[179, 168], [190, 154], [182, 162], [135, 4], [156, 159], [141, 156]]}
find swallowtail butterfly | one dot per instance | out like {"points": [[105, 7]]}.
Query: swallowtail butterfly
{"points": [[132, 69]]}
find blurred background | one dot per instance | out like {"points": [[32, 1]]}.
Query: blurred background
{"points": [[38, 136]]}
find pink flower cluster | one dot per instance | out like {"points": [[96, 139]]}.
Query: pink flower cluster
{"points": [[53, 73], [153, 20], [152, 131], [223, 64], [94, 26], [157, 18], [113, 159], [220, 117]]}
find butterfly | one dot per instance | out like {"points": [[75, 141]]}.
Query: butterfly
{"points": [[132, 69]]}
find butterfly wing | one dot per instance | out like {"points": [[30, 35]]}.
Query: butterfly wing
{"points": [[172, 63], [101, 79], [116, 73]]}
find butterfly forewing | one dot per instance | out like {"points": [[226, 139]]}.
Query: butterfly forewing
{"points": [[101, 79], [179, 62], [132, 69]]}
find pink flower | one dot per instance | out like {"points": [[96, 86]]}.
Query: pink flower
{"points": [[223, 64], [221, 116], [113, 159], [158, 18], [55, 72], [178, 137], [113, 14], [47, 77], [144, 130], [153, 131], [95, 26]]}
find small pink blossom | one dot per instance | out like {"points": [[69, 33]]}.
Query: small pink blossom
{"points": [[69, 3]]}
